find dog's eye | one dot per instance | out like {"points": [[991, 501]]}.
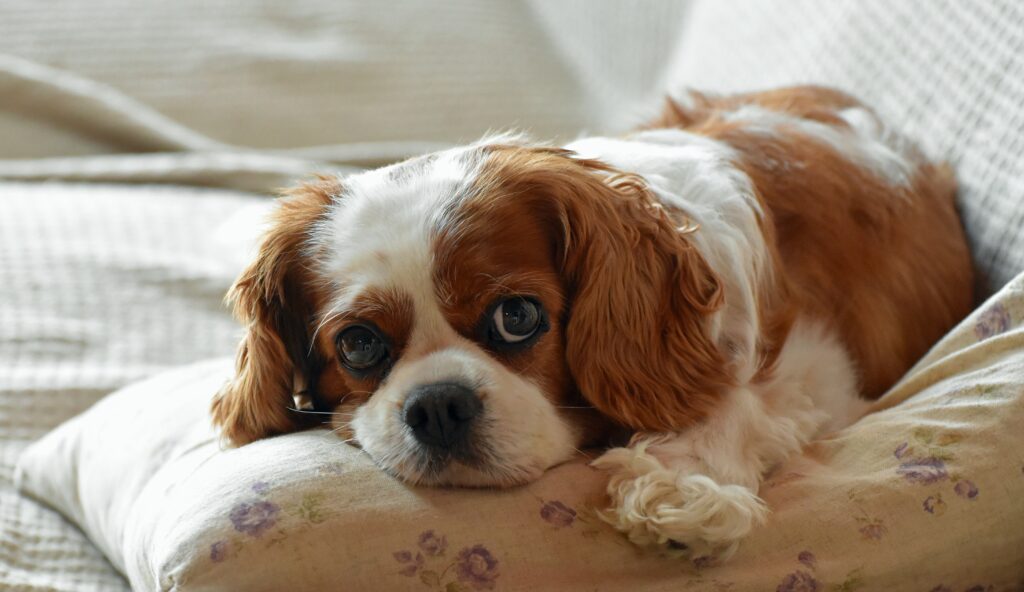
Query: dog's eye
{"points": [[515, 320], [361, 348]]}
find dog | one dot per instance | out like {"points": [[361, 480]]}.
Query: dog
{"points": [[742, 274]]}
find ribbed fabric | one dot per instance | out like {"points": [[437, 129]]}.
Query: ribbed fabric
{"points": [[99, 286], [266, 74]]}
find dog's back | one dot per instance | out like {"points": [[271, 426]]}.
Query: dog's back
{"points": [[864, 227]]}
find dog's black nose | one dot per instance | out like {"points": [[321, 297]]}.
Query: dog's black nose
{"points": [[440, 414]]}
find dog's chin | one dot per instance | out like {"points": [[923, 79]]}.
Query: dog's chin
{"points": [[456, 473], [476, 463]]}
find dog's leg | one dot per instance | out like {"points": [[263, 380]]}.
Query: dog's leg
{"points": [[697, 489]]}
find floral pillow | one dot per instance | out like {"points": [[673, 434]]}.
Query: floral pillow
{"points": [[925, 494]]}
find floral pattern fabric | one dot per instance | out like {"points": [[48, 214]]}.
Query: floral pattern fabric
{"points": [[917, 450], [921, 495]]}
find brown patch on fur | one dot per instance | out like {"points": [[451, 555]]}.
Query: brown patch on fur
{"points": [[886, 266], [275, 300], [634, 337], [338, 389], [489, 252]]}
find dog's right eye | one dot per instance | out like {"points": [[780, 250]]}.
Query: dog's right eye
{"points": [[515, 323], [361, 348]]}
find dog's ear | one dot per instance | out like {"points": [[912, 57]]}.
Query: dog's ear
{"points": [[275, 300], [638, 341]]}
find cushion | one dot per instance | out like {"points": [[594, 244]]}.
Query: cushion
{"points": [[948, 74], [923, 494]]}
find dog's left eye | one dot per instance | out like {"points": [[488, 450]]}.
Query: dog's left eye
{"points": [[361, 348], [515, 320]]}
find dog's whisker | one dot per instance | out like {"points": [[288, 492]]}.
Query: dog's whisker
{"points": [[311, 412], [331, 314], [583, 454]]}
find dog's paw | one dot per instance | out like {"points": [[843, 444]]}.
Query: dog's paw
{"points": [[691, 513]]}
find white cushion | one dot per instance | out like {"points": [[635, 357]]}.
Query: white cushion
{"points": [[924, 493]]}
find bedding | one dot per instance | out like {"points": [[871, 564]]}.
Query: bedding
{"points": [[922, 494], [346, 79], [100, 286]]}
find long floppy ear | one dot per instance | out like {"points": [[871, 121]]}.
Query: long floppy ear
{"points": [[637, 336], [274, 299]]}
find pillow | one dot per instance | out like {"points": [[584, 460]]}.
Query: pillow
{"points": [[924, 494]]}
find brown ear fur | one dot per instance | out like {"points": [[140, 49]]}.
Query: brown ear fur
{"points": [[274, 299], [636, 337]]}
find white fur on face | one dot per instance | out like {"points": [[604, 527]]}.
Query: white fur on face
{"points": [[521, 435], [378, 237]]}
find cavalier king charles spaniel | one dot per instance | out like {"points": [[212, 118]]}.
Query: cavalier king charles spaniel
{"points": [[743, 274]]}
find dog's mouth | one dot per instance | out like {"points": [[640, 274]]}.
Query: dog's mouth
{"points": [[448, 446], [454, 473], [475, 467]]}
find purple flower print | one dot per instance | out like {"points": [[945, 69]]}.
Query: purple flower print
{"points": [[807, 558], [992, 322], [254, 519], [431, 544], [933, 504], [924, 471], [966, 489], [798, 581], [874, 530], [901, 450], [704, 562], [402, 556], [412, 564], [219, 551], [261, 487], [558, 514], [477, 567]]}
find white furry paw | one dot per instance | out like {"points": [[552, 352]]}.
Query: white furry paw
{"points": [[655, 505]]}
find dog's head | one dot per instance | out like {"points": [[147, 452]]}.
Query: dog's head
{"points": [[472, 317]]}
